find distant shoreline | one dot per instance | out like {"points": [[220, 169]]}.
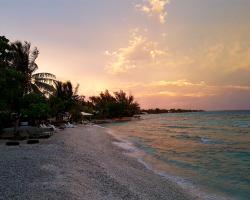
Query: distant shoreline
{"points": [[161, 111]]}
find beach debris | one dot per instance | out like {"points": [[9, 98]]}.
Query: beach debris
{"points": [[12, 143], [69, 125], [33, 141], [27, 132]]}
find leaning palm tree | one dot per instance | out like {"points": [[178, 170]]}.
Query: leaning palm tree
{"points": [[23, 60]]}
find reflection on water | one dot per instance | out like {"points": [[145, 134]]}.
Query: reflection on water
{"points": [[210, 149]]}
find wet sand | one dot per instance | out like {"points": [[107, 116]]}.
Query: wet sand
{"points": [[79, 163]]}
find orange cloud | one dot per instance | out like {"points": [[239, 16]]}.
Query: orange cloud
{"points": [[179, 83], [139, 51], [181, 89], [155, 8], [177, 94], [228, 56]]}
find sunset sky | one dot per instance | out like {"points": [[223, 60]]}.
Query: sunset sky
{"points": [[179, 53]]}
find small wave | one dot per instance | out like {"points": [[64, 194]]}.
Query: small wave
{"points": [[125, 145], [206, 141], [210, 141], [241, 125], [197, 138], [186, 137], [171, 126], [184, 184], [108, 130]]}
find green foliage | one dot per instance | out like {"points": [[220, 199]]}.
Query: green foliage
{"points": [[18, 83], [32, 98], [119, 105], [57, 105], [34, 107], [10, 79], [10, 89], [23, 59], [38, 95], [103, 103], [5, 49], [66, 99], [36, 111]]}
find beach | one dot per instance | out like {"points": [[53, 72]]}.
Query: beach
{"points": [[79, 163]]}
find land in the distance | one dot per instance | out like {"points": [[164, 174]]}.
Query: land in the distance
{"points": [[173, 110]]}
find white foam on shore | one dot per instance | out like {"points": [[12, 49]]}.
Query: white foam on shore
{"points": [[124, 144], [184, 184], [99, 126]]}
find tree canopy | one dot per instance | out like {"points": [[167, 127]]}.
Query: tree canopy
{"points": [[38, 96], [117, 105]]}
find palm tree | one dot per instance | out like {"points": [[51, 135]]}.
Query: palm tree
{"points": [[119, 105], [66, 99], [65, 90], [128, 106], [67, 93], [103, 103], [23, 60]]}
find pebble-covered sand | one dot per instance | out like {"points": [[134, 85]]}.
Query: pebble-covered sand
{"points": [[79, 163]]}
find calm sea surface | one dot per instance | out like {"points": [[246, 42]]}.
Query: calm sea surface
{"points": [[207, 153]]}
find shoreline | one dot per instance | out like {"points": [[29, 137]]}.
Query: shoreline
{"points": [[155, 166], [80, 163]]}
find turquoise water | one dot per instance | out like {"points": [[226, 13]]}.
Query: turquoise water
{"points": [[208, 150]]}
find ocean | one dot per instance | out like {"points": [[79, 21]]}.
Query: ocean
{"points": [[206, 153]]}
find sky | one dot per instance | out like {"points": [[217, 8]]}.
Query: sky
{"points": [[192, 54]]}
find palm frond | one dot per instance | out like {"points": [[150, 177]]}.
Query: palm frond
{"points": [[44, 75], [76, 89], [33, 67], [44, 86], [23, 59], [33, 55], [36, 89], [45, 80]]}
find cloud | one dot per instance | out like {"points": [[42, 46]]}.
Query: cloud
{"points": [[143, 53], [228, 57], [178, 94], [155, 8], [182, 88], [140, 51], [219, 62], [184, 93], [179, 83], [179, 88], [238, 87]]}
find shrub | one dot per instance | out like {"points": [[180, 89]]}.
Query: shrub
{"points": [[36, 111]]}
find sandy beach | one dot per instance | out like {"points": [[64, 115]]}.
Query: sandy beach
{"points": [[79, 163]]}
